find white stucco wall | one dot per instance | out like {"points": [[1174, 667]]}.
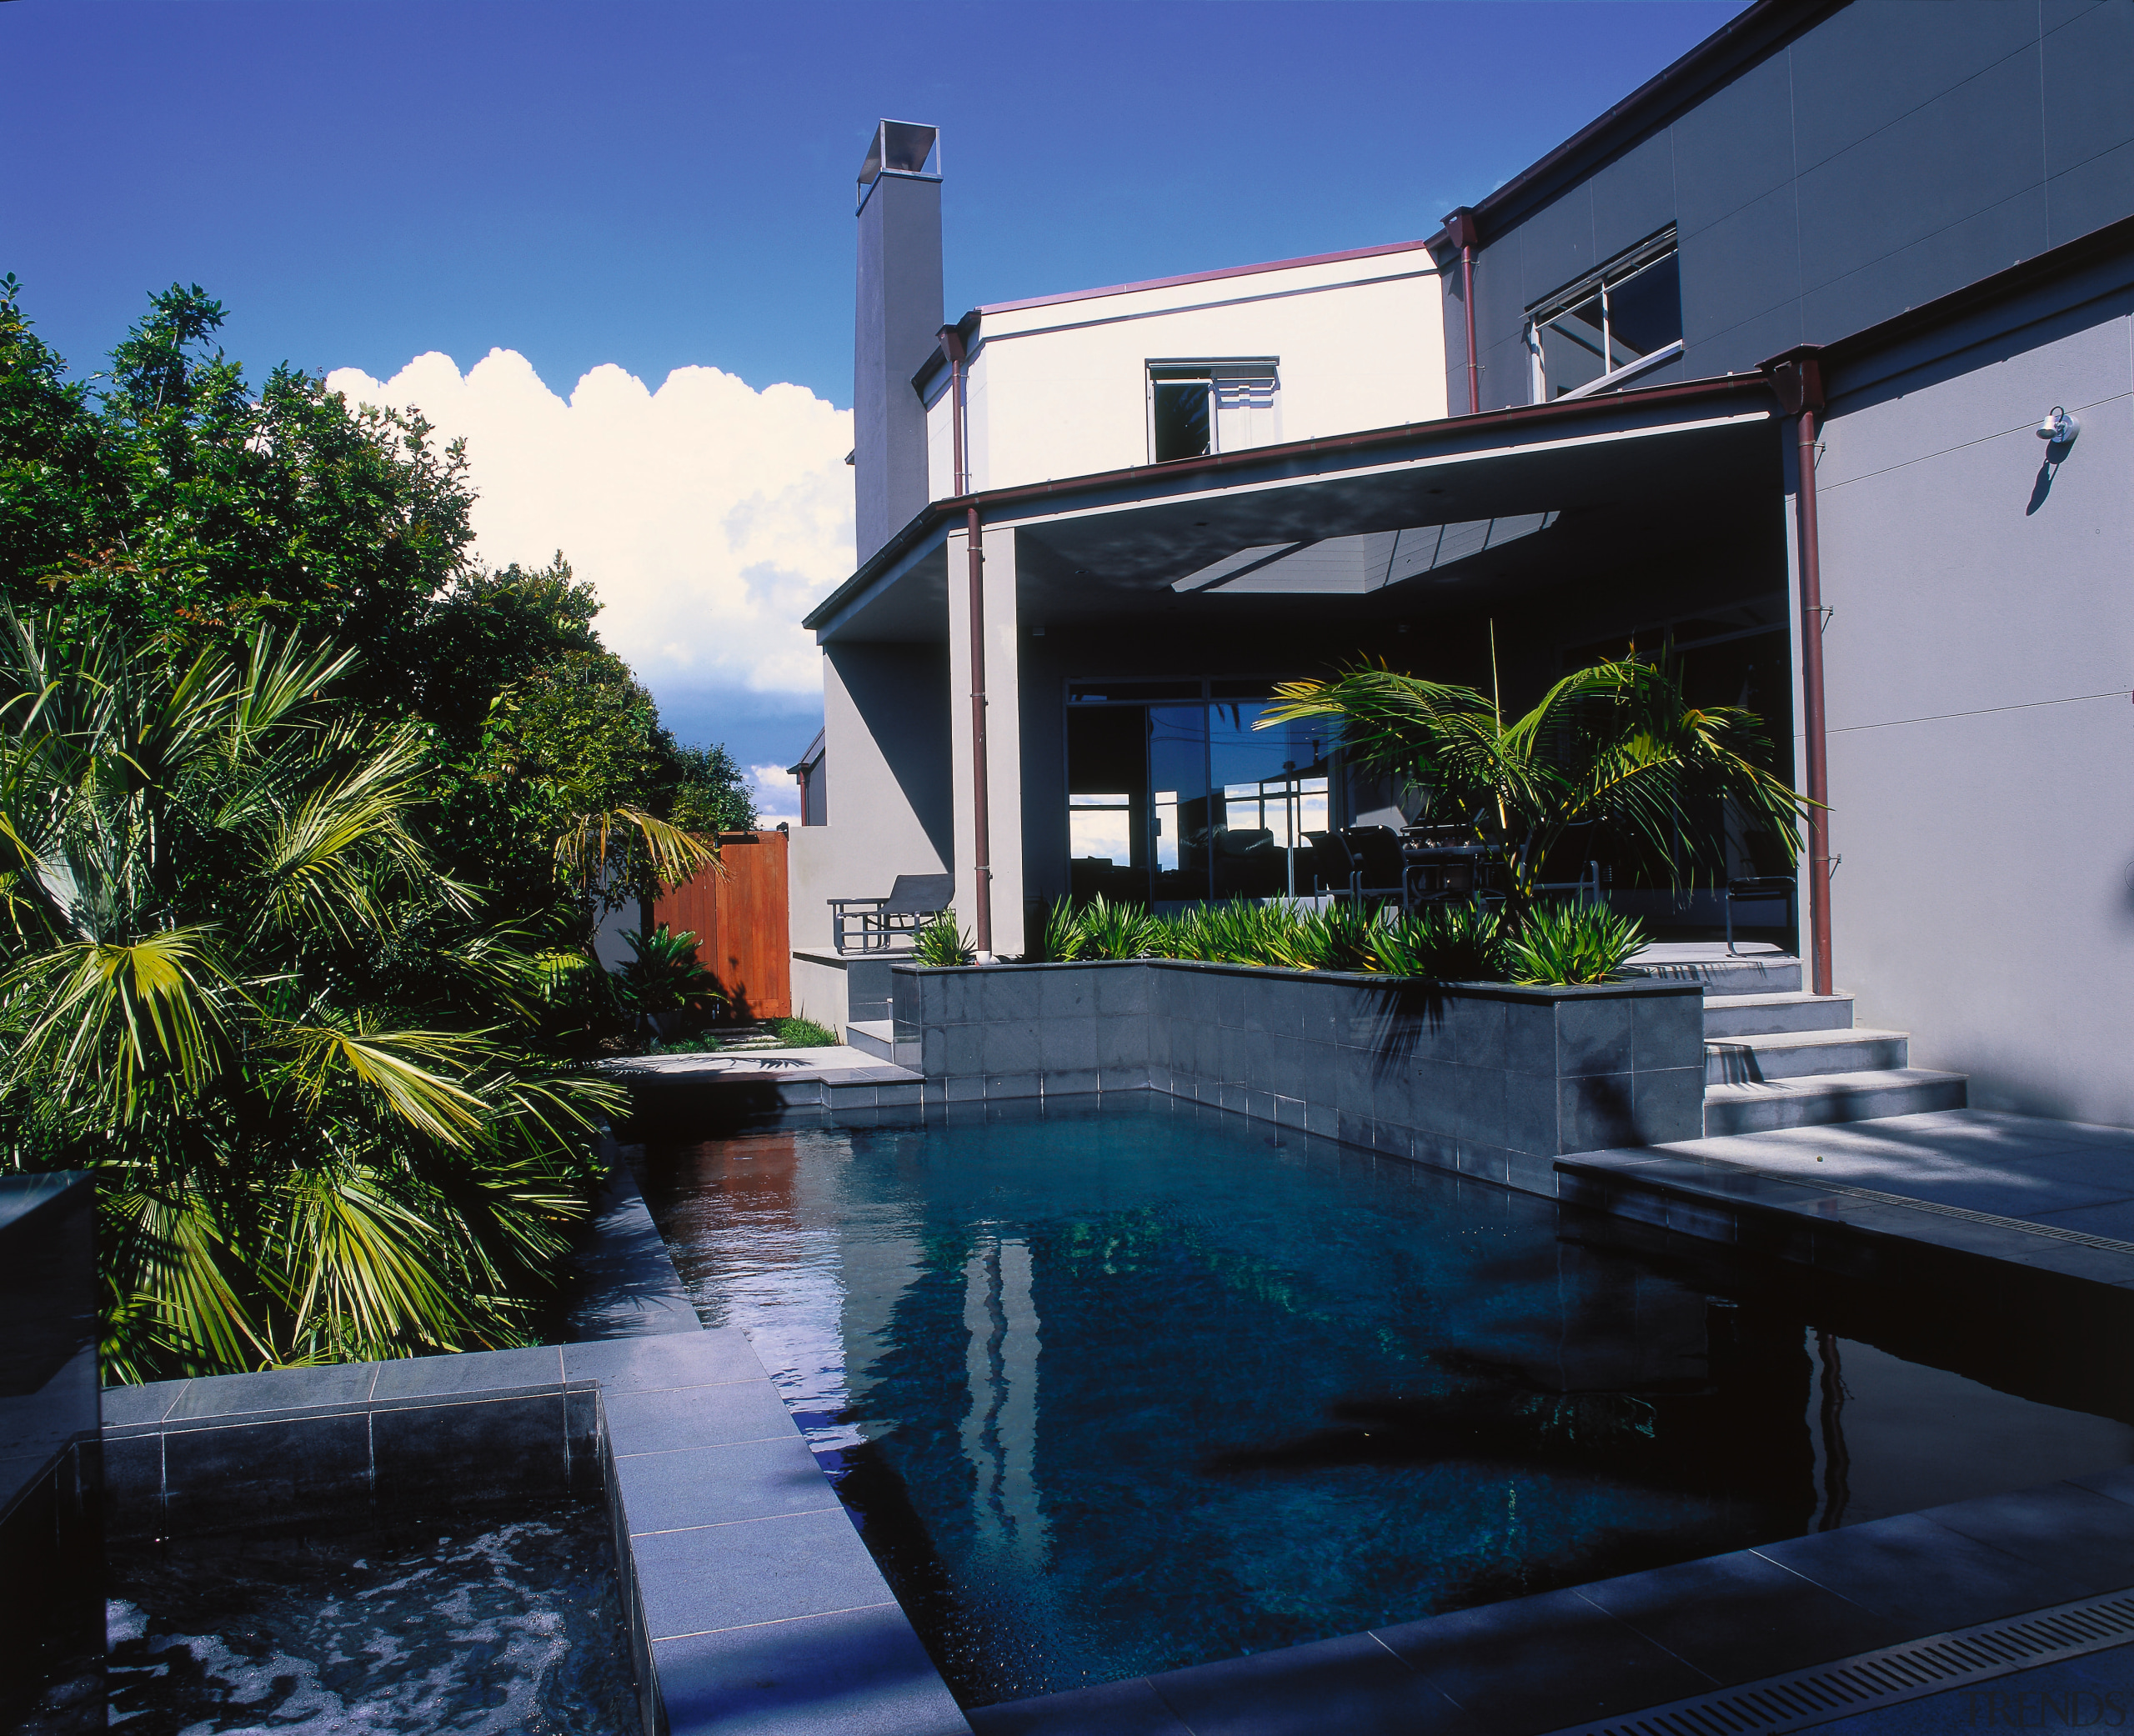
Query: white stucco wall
{"points": [[1979, 658], [1060, 390]]}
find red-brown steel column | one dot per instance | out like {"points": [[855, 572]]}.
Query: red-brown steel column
{"points": [[980, 815]]}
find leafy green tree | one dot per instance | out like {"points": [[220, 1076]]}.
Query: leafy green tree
{"points": [[173, 503], [710, 794], [236, 987], [176, 502]]}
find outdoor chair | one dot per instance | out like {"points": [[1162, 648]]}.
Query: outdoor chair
{"points": [[875, 925], [1360, 862], [1759, 889]]}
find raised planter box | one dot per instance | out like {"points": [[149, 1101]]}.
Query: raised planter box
{"points": [[1485, 1079]]}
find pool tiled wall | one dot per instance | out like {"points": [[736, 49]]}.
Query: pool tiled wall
{"points": [[1487, 1079]]}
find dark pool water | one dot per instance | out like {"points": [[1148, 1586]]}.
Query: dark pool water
{"points": [[1125, 1390], [465, 1624]]}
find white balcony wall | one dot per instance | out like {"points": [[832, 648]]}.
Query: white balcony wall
{"points": [[1060, 389]]}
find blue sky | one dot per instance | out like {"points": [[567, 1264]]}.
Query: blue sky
{"points": [[659, 186]]}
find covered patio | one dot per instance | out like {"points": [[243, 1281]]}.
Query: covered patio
{"points": [[1133, 625]]}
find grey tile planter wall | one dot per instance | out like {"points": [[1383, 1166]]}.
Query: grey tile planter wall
{"points": [[1485, 1079]]}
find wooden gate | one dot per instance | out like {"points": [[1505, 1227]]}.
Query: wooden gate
{"points": [[739, 918]]}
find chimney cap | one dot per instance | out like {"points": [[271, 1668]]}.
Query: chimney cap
{"points": [[901, 147]]}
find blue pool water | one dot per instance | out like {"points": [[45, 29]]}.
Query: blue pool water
{"points": [[1128, 1388]]}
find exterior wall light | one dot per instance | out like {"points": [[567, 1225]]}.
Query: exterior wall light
{"points": [[2059, 428]]}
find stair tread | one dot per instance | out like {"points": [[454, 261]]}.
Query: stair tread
{"points": [[1818, 1085], [1777, 997], [872, 1027], [1833, 1038]]}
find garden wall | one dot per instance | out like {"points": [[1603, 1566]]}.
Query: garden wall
{"points": [[1487, 1079]]}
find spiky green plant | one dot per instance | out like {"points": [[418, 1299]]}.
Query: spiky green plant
{"points": [[665, 978], [940, 941], [1115, 931], [233, 986], [1341, 935], [1573, 942], [1449, 943], [1060, 940]]}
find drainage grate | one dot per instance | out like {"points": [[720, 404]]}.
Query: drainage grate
{"points": [[1895, 1673]]}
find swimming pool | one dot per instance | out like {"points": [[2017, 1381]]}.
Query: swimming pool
{"points": [[1138, 1384]]}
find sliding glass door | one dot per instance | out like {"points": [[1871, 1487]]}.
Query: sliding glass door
{"points": [[1175, 799]]}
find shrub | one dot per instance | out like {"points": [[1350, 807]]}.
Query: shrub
{"points": [[665, 981], [940, 941], [1338, 937], [802, 1032], [1061, 941], [1445, 943], [1568, 943], [1116, 931]]}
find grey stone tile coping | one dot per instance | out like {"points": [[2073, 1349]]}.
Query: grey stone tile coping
{"points": [[2034, 1194], [1563, 1658], [822, 1062]]}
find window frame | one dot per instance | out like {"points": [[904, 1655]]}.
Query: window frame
{"points": [[1180, 370], [1601, 282]]}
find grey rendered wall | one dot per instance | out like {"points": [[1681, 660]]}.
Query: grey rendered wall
{"points": [[898, 318], [1890, 154], [1980, 659]]}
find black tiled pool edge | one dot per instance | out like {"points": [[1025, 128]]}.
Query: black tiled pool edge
{"points": [[1540, 1664]]}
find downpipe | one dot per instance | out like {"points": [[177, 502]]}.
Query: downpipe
{"points": [[1797, 376]]}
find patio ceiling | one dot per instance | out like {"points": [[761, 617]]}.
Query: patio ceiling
{"points": [[1432, 519]]}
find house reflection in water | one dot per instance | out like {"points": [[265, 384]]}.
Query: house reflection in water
{"points": [[1000, 1425]]}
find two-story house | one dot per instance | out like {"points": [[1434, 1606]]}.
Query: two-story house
{"points": [[1815, 355]]}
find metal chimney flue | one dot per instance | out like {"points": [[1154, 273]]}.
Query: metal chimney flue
{"points": [[899, 320]]}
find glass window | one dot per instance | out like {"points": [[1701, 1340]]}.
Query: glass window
{"points": [[1630, 310], [1107, 802], [1197, 408], [1179, 419], [1175, 804], [1271, 788]]}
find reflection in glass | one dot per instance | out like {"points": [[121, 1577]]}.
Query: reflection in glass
{"points": [[1107, 802], [1573, 347], [1632, 314], [1175, 804], [1181, 418], [1272, 790], [1645, 311], [1178, 766]]}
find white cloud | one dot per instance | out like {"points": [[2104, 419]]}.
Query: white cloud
{"points": [[778, 797], [710, 516]]}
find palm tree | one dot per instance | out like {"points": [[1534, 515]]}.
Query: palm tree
{"points": [[232, 984], [1615, 747]]}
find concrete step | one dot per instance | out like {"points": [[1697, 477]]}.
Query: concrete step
{"points": [[875, 1037], [1753, 974], [1755, 1015], [1803, 1054], [1830, 1098]]}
